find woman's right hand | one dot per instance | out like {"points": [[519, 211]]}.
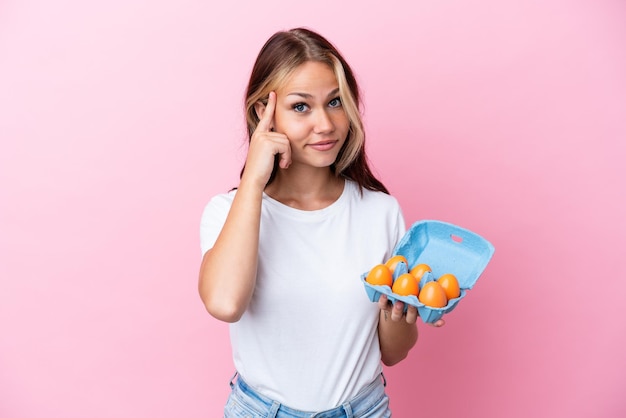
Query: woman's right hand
{"points": [[265, 144]]}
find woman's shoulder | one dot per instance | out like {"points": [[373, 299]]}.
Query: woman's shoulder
{"points": [[374, 198], [220, 202]]}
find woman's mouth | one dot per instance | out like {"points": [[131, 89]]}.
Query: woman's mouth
{"points": [[323, 145]]}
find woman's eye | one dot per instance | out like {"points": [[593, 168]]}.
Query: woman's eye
{"points": [[300, 107], [336, 102]]}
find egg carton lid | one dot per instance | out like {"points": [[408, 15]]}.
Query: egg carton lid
{"points": [[446, 248]]}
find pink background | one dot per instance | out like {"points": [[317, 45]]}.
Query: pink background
{"points": [[120, 119]]}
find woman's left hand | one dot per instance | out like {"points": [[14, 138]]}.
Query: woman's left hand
{"points": [[396, 313]]}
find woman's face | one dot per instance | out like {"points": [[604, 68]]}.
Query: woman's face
{"points": [[310, 113]]}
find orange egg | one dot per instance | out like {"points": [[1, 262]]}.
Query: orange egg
{"points": [[393, 262], [450, 285], [433, 295], [379, 275], [405, 285], [419, 270]]}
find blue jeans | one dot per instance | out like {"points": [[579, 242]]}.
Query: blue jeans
{"points": [[244, 402]]}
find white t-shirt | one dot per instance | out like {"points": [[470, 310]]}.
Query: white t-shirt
{"points": [[309, 336]]}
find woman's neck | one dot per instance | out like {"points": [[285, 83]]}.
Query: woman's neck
{"points": [[309, 189]]}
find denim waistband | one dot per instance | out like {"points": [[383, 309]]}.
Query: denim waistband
{"points": [[366, 398]]}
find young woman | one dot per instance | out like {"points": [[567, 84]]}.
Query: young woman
{"points": [[284, 252]]}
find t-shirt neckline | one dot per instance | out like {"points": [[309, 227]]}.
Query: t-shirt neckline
{"points": [[311, 214]]}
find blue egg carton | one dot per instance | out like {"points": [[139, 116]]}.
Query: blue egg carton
{"points": [[446, 248]]}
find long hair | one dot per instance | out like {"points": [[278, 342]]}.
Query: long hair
{"points": [[279, 57]]}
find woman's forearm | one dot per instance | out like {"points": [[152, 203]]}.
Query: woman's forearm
{"points": [[228, 270]]}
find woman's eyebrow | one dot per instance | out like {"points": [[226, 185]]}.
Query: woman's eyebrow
{"points": [[309, 96], [334, 92], [304, 95]]}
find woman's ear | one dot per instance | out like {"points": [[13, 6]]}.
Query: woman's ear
{"points": [[259, 108]]}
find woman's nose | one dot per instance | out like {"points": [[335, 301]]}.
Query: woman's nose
{"points": [[323, 123]]}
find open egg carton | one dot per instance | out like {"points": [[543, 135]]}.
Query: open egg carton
{"points": [[446, 248]]}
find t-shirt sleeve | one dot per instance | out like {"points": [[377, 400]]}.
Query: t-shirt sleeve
{"points": [[213, 219]]}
